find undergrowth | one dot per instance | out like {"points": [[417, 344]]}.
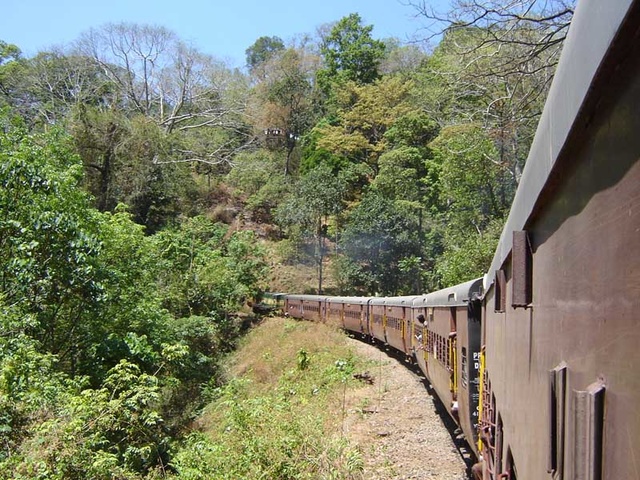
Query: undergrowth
{"points": [[280, 414]]}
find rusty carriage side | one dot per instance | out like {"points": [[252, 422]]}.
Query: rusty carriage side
{"points": [[389, 321], [349, 313], [307, 307], [560, 383], [447, 331], [397, 321]]}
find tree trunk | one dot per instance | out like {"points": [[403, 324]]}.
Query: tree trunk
{"points": [[320, 255]]}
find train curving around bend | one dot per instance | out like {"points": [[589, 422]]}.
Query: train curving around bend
{"points": [[538, 361]]}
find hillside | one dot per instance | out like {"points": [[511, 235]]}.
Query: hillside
{"points": [[306, 401]]}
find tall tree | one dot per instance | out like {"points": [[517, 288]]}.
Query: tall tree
{"points": [[379, 240], [283, 107], [547, 22], [364, 114], [9, 56], [495, 64], [318, 195], [181, 89], [263, 49], [350, 53]]}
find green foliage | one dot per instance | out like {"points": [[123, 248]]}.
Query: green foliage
{"points": [[468, 254], [470, 180], [253, 170], [379, 235], [313, 155], [415, 129], [8, 52], [94, 374], [472, 186], [364, 114], [402, 175], [259, 176], [120, 157], [263, 49], [49, 238], [350, 53], [10, 67], [318, 194], [114, 431], [30, 387], [205, 272]]}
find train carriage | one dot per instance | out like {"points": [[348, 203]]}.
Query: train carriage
{"points": [[377, 319], [355, 314], [398, 314], [308, 307], [451, 343], [334, 311], [560, 383]]}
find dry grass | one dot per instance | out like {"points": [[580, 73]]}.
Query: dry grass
{"points": [[284, 407]]}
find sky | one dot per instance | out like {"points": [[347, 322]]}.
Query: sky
{"points": [[222, 28]]}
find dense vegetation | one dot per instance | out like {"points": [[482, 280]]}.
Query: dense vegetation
{"points": [[148, 192]]}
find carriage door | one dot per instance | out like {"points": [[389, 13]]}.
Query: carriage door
{"points": [[452, 356]]}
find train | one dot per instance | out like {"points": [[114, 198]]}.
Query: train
{"points": [[537, 361]]}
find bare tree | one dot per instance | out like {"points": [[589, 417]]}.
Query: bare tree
{"points": [[181, 89], [547, 20], [500, 59]]}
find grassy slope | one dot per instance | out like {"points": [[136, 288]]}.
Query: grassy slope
{"points": [[281, 414]]}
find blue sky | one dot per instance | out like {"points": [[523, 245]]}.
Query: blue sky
{"points": [[221, 28]]}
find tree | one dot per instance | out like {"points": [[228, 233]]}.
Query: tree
{"points": [[49, 240], [405, 171], [207, 270], [350, 53], [54, 83], [400, 58], [9, 61], [379, 240], [262, 50], [258, 176], [364, 114], [317, 195], [546, 21], [495, 64], [179, 88], [474, 199], [119, 157], [283, 106]]}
